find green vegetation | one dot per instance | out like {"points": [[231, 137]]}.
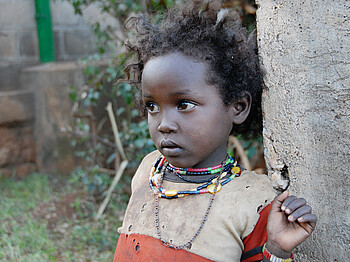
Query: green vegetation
{"points": [[21, 237], [40, 221]]}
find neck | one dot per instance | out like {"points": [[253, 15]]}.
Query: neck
{"points": [[214, 159]]}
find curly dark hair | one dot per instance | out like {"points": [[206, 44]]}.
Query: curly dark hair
{"points": [[208, 33]]}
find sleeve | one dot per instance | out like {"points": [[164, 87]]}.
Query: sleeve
{"points": [[254, 242]]}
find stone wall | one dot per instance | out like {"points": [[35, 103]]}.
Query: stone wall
{"points": [[304, 48], [17, 144]]}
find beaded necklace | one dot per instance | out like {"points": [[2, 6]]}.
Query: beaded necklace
{"points": [[229, 170], [214, 186], [198, 171]]}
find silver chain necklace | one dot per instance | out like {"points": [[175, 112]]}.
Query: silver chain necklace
{"points": [[188, 244]]}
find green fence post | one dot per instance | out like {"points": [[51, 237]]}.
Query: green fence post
{"points": [[45, 34]]}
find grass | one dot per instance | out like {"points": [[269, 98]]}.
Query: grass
{"points": [[23, 238], [27, 237], [17, 197]]}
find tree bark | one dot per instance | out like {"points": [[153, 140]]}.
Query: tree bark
{"points": [[305, 51]]}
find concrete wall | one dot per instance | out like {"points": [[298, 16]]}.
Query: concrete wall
{"points": [[304, 48], [18, 32], [49, 85], [34, 101], [73, 36], [34, 120]]}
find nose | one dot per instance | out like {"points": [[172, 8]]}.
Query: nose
{"points": [[168, 123]]}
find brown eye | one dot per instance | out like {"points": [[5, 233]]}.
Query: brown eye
{"points": [[185, 105], [152, 107]]}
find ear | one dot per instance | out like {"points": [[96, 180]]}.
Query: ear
{"points": [[241, 108]]}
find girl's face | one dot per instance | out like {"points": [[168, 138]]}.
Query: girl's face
{"points": [[187, 119]]}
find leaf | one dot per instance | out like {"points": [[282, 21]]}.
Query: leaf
{"points": [[111, 158]]}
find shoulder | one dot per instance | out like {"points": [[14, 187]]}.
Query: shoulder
{"points": [[149, 159], [251, 186], [144, 168], [258, 189], [255, 181]]}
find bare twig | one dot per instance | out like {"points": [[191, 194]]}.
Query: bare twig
{"points": [[115, 130], [122, 166], [240, 152], [107, 171], [116, 179]]}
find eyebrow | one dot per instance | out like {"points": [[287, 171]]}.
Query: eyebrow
{"points": [[184, 92], [146, 96]]}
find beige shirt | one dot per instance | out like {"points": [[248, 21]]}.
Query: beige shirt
{"points": [[232, 216]]}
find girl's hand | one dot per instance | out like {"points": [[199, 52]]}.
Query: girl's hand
{"points": [[290, 222]]}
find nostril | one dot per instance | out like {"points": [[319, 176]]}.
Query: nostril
{"points": [[167, 127]]}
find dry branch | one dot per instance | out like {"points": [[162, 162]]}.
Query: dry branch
{"points": [[121, 168], [240, 152]]}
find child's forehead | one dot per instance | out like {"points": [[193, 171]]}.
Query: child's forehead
{"points": [[174, 67], [175, 75], [175, 63]]}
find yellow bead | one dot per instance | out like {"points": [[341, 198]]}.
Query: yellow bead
{"points": [[222, 175], [170, 192], [152, 171], [211, 188], [236, 170]]}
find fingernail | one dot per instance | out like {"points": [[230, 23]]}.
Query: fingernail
{"points": [[288, 211], [283, 208], [290, 218], [300, 219]]}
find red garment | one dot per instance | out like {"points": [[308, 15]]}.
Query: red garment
{"points": [[138, 247], [255, 240]]}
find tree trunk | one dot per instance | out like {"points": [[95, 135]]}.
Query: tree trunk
{"points": [[305, 52]]}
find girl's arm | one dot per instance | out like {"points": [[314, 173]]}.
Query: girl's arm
{"points": [[290, 222]]}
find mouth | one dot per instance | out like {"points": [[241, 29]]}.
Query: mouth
{"points": [[170, 148]]}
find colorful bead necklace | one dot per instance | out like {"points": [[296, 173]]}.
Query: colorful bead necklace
{"points": [[199, 171], [230, 170], [226, 169], [188, 244], [213, 186]]}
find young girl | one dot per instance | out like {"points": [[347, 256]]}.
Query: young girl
{"points": [[191, 201]]}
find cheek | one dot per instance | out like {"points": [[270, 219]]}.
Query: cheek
{"points": [[152, 127]]}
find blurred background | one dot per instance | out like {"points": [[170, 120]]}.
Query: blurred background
{"points": [[70, 138]]}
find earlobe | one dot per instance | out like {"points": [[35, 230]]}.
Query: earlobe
{"points": [[241, 108]]}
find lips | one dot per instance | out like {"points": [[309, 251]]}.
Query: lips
{"points": [[168, 144], [170, 148]]}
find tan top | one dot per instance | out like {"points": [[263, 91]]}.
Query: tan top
{"points": [[232, 216]]}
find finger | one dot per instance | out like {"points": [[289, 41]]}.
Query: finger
{"points": [[308, 222], [303, 210], [294, 204], [308, 218], [287, 201], [277, 203]]}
